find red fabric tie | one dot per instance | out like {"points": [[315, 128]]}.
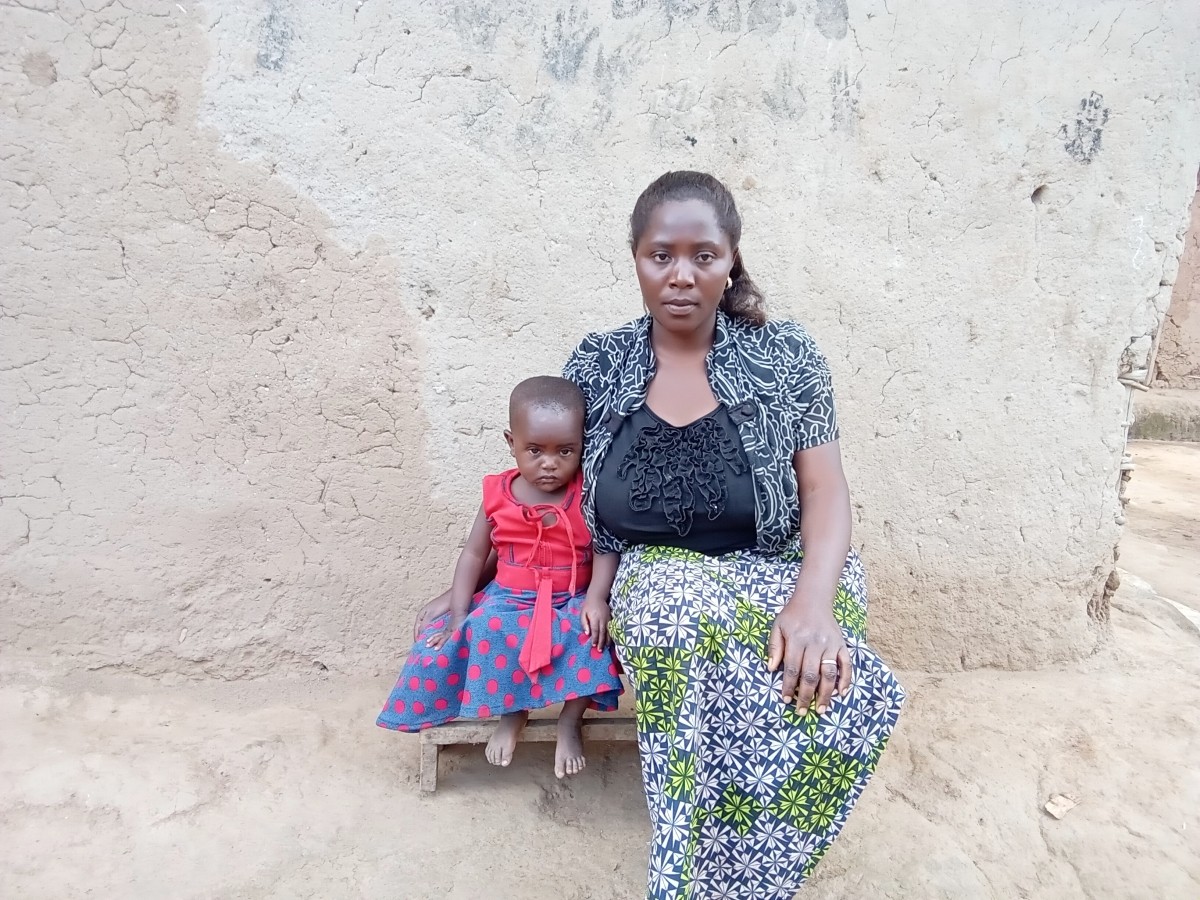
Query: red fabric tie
{"points": [[539, 637]]}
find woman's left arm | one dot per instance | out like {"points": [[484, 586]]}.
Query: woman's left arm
{"points": [[806, 636]]}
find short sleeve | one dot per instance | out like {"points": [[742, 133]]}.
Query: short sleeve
{"points": [[492, 492], [582, 367], [603, 541], [810, 406]]}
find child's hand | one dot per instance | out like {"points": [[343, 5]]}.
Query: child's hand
{"points": [[435, 641], [430, 611], [595, 617]]}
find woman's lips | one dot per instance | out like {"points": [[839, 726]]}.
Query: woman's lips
{"points": [[679, 306]]}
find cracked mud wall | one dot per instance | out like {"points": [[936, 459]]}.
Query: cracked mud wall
{"points": [[270, 268], [1177, 363]]}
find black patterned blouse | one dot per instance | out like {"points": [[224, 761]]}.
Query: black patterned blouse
{"points": [[681, 486], [772, 380]]}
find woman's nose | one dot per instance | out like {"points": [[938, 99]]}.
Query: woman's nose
{"points": [[681, 276]]}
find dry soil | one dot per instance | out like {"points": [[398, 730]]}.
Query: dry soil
{"points": [[113, 787]]}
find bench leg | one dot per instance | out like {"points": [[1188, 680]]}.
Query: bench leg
{"points": [[429, 765]]}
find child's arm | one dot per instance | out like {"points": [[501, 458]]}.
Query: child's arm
{"points": [[441, 603], [467, 572], [595, 614]]}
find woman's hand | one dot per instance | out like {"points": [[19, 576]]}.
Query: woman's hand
{"points": [[595, 617], [808, 643]]}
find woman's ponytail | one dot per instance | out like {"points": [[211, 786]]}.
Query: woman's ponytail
{"points": [[742, 299]]}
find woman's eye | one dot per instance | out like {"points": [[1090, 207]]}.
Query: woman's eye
{"points": [[660, 257], [705, 257]]}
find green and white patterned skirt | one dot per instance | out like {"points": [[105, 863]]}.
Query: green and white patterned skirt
{"points": [[745, 795]]}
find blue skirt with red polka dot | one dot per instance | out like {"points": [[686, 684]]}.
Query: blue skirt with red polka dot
{"points": [[476, 675]]}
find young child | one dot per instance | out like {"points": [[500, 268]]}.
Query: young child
{"points": [[537, 634]]}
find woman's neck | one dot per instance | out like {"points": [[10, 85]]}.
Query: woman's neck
{"points": [[692, 343]]}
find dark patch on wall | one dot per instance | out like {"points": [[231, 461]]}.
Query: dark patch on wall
{"points": [[1081, 139], [833, 18], [616, 68], [623, 9], [765, 15], [612, 70], [845, 102], [564, 46], [725, 15], [275, 37], [39, 68], [537, 123], [679, 9], [170, 105], [477, 23], [786, 98]]}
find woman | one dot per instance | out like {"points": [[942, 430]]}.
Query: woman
{"points": [[741, 623], [761, 711]]}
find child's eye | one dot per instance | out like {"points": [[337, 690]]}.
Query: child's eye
{"points": [[533, 451], [567, 452]]}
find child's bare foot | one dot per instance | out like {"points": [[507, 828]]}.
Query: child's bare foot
{"points": [[568, 752], [503, 741]]}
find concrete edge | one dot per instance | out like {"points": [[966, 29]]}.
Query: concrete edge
{"points": [[1166, 416]]}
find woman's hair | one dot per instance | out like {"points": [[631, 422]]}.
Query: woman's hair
{"points": [[743, 300]]}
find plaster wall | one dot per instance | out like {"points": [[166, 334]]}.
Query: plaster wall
{"points": [[269, 270], [1177, 362]]}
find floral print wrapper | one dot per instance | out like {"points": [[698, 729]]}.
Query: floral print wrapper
{"points": [[745, 795]]}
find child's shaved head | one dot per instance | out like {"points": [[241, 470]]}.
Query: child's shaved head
{"points": [[546, 392]]}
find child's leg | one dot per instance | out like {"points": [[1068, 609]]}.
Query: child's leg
{"points": [[568, 752], [503, 741]]}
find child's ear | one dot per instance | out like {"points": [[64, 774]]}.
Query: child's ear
{"points": [[509, 439]]}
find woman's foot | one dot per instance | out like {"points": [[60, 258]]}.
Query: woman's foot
{"points": [[503, 741], [568, 752]]}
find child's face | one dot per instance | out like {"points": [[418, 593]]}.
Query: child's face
{"points": [[547, 444]]}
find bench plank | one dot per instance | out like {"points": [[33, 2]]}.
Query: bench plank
{"points": [[612, 729]]}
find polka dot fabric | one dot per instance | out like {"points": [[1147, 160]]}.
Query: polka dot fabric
{"points": [[476, 675]]}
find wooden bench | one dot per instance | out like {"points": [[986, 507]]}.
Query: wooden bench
{"points": [[610, 728]]}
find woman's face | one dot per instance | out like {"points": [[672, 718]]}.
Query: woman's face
{"points": [[683, 260]]}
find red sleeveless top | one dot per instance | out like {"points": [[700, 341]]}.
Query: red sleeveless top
{"points": [[537, 556]]}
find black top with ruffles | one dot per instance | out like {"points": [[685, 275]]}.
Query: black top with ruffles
{"points": [[688, 487]]}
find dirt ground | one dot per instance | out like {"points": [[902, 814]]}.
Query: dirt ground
{"points": [[119, 788], [1162, 541]]}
